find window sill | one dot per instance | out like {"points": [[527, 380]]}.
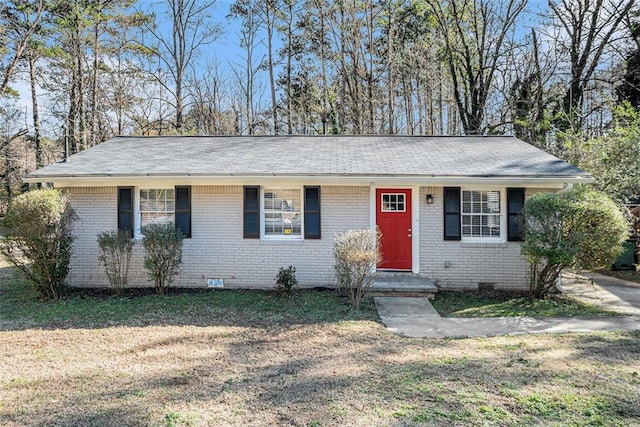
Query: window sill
{"points": [[498, 245], [281, 242]]}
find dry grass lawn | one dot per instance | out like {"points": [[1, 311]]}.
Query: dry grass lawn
{"points": [[192, 370]]}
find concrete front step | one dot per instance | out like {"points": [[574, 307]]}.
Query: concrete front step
{"points": [[405, 284]]}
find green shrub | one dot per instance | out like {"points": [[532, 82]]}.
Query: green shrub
{"points": [[285, 279], [38, 238], [163, 254], [356, 253], [581, 229], [116, 248]]}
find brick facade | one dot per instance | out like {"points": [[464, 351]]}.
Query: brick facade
{"points": [[218, 250]]}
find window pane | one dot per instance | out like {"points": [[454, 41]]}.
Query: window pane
{"points": [[481, 213], [392, 202], [147, 218], [282, 212], [156, 206]]}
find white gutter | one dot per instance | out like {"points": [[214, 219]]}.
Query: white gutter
{"points": [[122, 180]]}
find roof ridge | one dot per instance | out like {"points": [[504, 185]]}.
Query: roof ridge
{"points": [[318, 136]]}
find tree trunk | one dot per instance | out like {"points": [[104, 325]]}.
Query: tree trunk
{"points": [[34, 108], [70, 134], [269, 22], [369, 72], [80, 116], [390, 71], [289, 68], [93, 120]]}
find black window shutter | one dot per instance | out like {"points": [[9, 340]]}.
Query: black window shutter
{"points": [[183, 210], [515, 204], [125, 209], [312, 212], [251, 212], [452, 213]]}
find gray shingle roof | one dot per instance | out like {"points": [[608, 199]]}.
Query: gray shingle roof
{"points": [[464, 156]]}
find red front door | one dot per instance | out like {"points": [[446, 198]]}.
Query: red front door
{"points": [[393, 217]]}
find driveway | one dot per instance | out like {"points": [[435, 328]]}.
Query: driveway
{"points": [[605, 291], [416, 317]]}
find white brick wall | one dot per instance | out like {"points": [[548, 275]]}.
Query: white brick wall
{"points": [[460, 265], [96, 210], [218, 250]]}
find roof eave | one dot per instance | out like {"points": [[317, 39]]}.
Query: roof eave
{"points": [[344, 179]]}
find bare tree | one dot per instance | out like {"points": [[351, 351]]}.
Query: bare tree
{"points": [[33, 83], [124, 78], [315, 43], [19, 20], [246, 71], [11, 138], [210, 114], [476, 34], [191, 29], [269, 12], [586, 31], [527, 96]]}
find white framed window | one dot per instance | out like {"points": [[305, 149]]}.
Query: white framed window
{"points": [[481, 216], [393, 202], [156, 206], [282, 213]]}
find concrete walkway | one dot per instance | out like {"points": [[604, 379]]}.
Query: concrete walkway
{"points": [[416, 317]]}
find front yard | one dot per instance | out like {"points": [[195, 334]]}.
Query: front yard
{"points": [[503, 304], [250, 358]]}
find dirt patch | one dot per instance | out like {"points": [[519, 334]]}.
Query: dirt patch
{"points": [[502, 295]]}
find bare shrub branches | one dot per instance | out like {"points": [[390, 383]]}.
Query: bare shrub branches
{"points": [[356, 252], [163, 246], [116, 247]]}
